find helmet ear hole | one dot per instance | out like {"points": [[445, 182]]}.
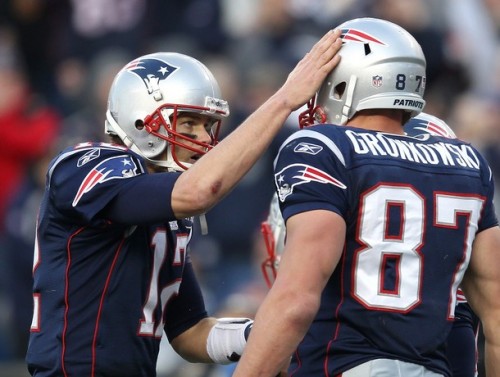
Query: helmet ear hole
{"points": [[338, 91], [139, 124]]}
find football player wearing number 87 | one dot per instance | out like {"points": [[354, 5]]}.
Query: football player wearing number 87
{"points": [[461, 344], [112, 270], [382, 228]]}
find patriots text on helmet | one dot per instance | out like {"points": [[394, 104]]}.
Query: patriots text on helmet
{"points": [[408, 102], [448, 154]]}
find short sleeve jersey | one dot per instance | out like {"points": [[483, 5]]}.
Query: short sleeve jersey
{"points": [[412, 207]]}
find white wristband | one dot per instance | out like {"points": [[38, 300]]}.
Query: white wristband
{"points": [[227, 339]]}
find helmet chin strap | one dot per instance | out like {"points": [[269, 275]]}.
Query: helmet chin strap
{"points": [[170, 163], [113, 128]]}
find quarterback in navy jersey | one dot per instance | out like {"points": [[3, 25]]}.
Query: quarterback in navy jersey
{"points": [[99, 289], [111, 267], [382, 228]]}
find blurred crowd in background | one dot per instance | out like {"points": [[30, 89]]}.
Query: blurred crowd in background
{"points": [[57, 60]]}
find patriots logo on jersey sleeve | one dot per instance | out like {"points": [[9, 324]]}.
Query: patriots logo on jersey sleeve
{"points": [[297, 174], [151, 71], [118, 167]]}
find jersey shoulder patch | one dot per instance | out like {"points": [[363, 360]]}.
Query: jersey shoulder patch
{"points": [[91, 164]]}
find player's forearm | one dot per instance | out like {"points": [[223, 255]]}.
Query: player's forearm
{"points": [[280, 325], [214, 340], [492, 359], [491, 329], [191, 344]]}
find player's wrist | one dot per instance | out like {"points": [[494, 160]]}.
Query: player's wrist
{"points": [[227, 339]]}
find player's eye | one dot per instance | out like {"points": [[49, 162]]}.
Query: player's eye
{"points": [[209, 126]]}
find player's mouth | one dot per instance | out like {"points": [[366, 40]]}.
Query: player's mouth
{"points": [[195, 158]]}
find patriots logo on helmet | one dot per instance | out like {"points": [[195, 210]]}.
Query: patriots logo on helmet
{"points": [[151, 71], [297, 174], [417, 126], [117, 167], [359, 36]]}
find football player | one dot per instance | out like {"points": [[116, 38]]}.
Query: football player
{"points": [[111, 268], [461, 348], [382, 228]]}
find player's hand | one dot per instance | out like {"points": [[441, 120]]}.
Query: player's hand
{"points": [[306, 78]]}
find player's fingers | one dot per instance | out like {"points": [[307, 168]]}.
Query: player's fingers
{"points": [[323, 57], [327, 46], [319, 48], [329, 57]]}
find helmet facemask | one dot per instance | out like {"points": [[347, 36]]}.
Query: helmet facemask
{"points": [[163, 124]]}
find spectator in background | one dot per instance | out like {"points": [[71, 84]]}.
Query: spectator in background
{"points": [[61, 37], [446, 75], [86, 122], [473, 39], [27, 127], [27, 124], [476, 118], [197, 20], [40, 27]]}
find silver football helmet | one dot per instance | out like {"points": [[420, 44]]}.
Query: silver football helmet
{"points": [[425, 123], [382, 67], [146, 97]]}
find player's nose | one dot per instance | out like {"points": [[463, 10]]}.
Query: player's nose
{"points": [[204, 135]]}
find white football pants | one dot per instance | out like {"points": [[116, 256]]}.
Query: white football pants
{"points": [[389, 368]]}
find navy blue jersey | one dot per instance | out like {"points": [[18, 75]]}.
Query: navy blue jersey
{"points": [[111, 271], [412, 207]]}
